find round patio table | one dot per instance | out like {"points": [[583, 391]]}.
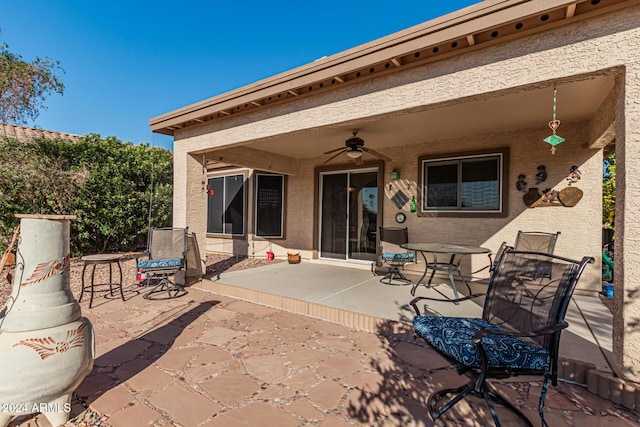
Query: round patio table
{"points": [[100, 259], [455, 254]]}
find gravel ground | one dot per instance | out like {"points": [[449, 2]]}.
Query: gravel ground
{"points": [[81, 416], [216, 264]]}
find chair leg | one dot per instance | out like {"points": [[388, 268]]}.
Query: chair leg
{"points": [[460, 393], [489, 393], [172, 289], [395, 274]]}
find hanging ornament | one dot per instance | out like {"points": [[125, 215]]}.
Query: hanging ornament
{"points": [[554, 125]]}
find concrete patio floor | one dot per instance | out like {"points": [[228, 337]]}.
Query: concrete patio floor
{"points": [[212, 360], [588, 338]]}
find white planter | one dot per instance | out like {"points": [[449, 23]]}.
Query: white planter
{"points": [[46, 347]]}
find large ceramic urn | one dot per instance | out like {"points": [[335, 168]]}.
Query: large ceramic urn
{"points": [[46, 346]]}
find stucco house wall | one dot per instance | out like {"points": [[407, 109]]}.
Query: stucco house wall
{"points": [[602, 45]]}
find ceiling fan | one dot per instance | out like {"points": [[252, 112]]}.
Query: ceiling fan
{"points": [[354, 149]]}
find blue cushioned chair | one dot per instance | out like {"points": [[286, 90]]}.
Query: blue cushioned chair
{"points": [[393, 255], [167, 251], [518, 334]]}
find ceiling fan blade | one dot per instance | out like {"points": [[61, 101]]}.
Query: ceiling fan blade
{"points": [[333, 151], [334, 156], [375, 153]]}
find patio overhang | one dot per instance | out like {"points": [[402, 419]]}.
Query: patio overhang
{"points": [[480, 26], [581, 98]]}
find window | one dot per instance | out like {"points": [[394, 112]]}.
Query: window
{"points": [[225, 205], [269, 205], [470, 183]]}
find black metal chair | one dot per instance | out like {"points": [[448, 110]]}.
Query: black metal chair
{"points": [[167, 251], [518, 334], [534, 241], [393, 255]]}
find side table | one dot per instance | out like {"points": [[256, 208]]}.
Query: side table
{"points": [[99, 259]]}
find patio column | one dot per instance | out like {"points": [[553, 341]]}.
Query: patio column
{"points": [[626, 333], [189, 206]]}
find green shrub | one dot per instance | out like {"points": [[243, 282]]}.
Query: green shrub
{"points": [[106, 183]]}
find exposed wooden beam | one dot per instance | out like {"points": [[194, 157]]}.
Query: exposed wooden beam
{"points": [[471, 39], [339, 79], [256, 103], [571, 10], [198, 120], [396, 62], [293, 92], [226, 113]]}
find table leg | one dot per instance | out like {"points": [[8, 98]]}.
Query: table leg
{"points": [[120, 268], [82, 290], [93, 274], [450, 267], [426, 268], [110, 281]]}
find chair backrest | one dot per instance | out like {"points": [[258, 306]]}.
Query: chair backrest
{"points": [[536, 241], [167, 243], [392, 237], [530, 291]]}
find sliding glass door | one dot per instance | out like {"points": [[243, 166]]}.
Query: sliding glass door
{"points": [[348, 215]]}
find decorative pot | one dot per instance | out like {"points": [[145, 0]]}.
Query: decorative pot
{"points": [[46, 347]]}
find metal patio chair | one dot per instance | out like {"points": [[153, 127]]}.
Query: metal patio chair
{"points": [[167, 251], [393, 255], [534, 241], [518, 334]]}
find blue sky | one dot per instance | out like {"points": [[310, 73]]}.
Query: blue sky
{"points": [[126, 62]]}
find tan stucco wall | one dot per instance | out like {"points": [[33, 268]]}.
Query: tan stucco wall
{"points": [[626, 339], [605, 44]]}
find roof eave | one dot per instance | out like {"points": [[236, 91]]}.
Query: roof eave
{"points": [[464, 24]]}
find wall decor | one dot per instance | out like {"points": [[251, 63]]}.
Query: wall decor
{"points": [[400, 199], [567, 197], [521, 184], [541, 176]]}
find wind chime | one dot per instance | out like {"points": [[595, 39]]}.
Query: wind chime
{"points": [[554, 124]]}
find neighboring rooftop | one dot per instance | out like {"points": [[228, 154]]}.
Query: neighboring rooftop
{"points": [[23, 133]]}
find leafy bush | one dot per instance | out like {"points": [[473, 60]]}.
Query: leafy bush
{"points": [[609, 191], [106, 183]]}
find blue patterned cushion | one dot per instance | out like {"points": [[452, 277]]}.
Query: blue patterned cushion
{"points": [[398, 256], [160, 263], [452, 337]]}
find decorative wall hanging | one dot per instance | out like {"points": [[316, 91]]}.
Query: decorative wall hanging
{"points": [[400, 199], [521, 184], [541, 176], [567, 197], [554, 139]]}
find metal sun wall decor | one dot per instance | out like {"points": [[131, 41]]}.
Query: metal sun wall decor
{"points": [[554, 139]]}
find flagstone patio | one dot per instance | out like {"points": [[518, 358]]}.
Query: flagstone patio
{"points": [[211, 360]]}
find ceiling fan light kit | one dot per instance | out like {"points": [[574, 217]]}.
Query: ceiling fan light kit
{"points": [[354, 154], [354, 147]]}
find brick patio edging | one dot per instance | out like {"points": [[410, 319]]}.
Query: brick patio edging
{"points": [[602, 384]]}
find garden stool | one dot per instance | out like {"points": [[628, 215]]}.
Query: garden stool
{"points": [[95, 260]]}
